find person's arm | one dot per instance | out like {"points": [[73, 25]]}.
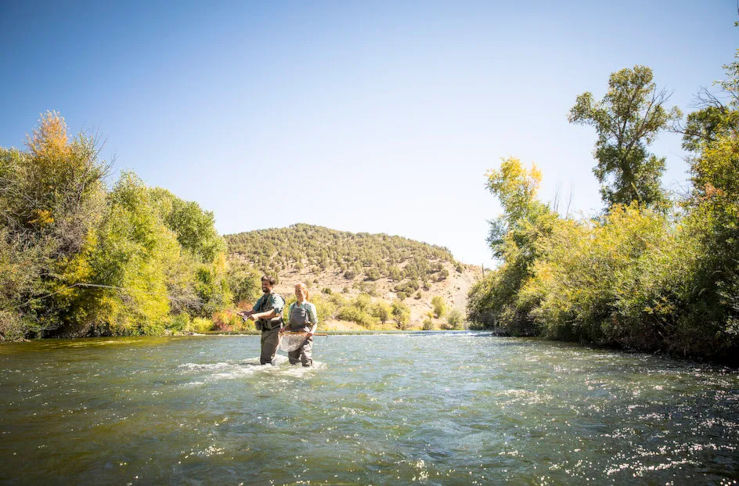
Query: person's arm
{"points": [[247, 314], [263, 315]]}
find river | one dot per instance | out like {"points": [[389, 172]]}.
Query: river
{"points": [[438, 408]]}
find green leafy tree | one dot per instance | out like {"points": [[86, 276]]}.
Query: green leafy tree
{"points": [[516, 187], [245, 283], [455, 318], [428, 323], [52, 196], [372, 274], [627, 120], [514, 238], [382, 310], [133, 252], [195, 228], [439, 305], [363, 302], [401, 314]]}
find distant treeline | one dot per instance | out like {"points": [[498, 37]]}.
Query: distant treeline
{"points": [[654, 271], [361, 255], [78, 258]]}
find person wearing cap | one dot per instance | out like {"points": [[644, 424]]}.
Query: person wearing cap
{"points": [[267, 317]]}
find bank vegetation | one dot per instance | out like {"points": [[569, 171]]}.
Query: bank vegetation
{"points": [[653, 271]]}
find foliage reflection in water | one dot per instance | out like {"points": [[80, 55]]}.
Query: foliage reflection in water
{"points": [[377, 409]]}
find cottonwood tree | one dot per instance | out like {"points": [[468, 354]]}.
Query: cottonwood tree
{"points": [[627, 120]]}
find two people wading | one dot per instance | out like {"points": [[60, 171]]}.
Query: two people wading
{"points": [[267, 317]]}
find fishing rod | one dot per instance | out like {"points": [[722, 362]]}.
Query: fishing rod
{"points": [[80, 284], [303, 332]]}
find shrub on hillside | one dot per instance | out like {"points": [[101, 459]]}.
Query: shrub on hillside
{"points": [[353, 314], [439, 305], [372, 274], [382, 310], [401, 314], [454, 318]]}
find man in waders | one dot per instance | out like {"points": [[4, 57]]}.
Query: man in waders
{"points": [[267, 316]]}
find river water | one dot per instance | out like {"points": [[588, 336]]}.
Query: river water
{"points": [[464, 408]]}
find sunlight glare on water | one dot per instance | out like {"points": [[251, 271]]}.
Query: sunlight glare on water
{"points": [[463, 408]]}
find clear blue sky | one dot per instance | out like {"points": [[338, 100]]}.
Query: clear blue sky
{"points": [[371, 116]]}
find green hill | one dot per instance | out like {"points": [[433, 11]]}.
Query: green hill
{"points": [[355, 255], [357, 269]]}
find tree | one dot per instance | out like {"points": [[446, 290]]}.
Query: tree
{"points": [[52, 196], [627, 120], [439, 305], [372, 274], [195, 228], [401, 314], [363, 302], [245, 283], [428, 324], [514, 238], [455, 319], [382, 310], [516, 187]]}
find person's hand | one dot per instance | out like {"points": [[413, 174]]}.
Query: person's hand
{"points": [[251, 317]]}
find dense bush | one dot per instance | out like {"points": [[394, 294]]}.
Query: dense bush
{"points": [[642, 276], [439, 305], [79, 259], [401, 314], [455, 319]]}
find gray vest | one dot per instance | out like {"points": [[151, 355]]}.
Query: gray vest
{"points": [[268, 324], [299, 319]]}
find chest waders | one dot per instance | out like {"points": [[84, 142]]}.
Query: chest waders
{"points": [[270, 328], [300, 322], [299, 319]]}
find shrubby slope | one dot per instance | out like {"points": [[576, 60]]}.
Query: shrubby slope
{"points": [[380, 267]]}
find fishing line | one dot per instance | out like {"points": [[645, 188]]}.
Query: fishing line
{"points": [[79, 284]]}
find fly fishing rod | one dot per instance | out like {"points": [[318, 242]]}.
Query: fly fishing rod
{"points": [[303, 333]]}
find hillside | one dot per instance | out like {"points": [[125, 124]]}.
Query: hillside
{"points": [[334, 262]]}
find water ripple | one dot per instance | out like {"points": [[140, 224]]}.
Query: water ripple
{"points": [[375, 409]]}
